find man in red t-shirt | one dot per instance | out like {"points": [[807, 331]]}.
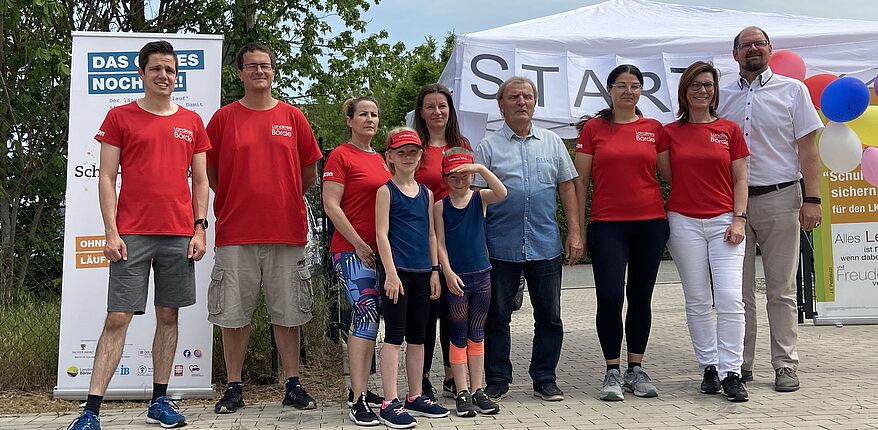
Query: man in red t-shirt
{"points": [[263, 160], [156, 143]]}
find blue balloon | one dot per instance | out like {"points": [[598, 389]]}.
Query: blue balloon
{"points": [[844, 99]]}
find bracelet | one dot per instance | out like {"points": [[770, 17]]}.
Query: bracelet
{"points": [[812, 200]]}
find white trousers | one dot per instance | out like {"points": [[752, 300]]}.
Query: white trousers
{"points": [[701, 253]]}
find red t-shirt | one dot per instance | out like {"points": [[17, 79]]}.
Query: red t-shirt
{"points": [[701, 163], [430, 171], [259, 155], [623, 168], [156, 153], [361, 173]]}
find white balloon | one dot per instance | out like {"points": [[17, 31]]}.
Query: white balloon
{"points": [[840, 148]]}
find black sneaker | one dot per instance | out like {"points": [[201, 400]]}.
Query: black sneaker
{"points": [[548, 391], [734, 389], [372, 399], [710, 383], [483, 404], [449, 389], [497, 391], [361, 414], [232, 399], [395, 416], [428, 390], [465, 406], [424, 407], [297, 397]]}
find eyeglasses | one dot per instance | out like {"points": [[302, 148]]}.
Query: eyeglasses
{"points": [[759, 44], [695, 86], [632, 87], [252, 67]]}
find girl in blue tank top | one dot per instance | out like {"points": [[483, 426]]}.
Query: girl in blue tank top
{"points": [[408, 275], [463, 253]]}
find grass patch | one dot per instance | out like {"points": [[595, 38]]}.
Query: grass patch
{"points": [[29, 332]]}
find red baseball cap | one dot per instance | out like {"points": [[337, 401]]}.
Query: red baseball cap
{"points": [[449, 162], [403, 138]]}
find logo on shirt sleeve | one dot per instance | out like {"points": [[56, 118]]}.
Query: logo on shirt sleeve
{"points": [[281, 130], [184, 134], [101, 133], [720, 138], [645, 136], [327, 174]]}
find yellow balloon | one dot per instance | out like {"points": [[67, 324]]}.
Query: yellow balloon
{"points": [[866, 126]]}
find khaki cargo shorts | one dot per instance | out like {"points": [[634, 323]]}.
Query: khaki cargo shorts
{"points": [[240, 271]]}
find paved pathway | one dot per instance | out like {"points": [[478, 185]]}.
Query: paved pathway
{"points": [[837, 372]]}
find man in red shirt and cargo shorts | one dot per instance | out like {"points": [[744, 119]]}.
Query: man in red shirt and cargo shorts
{"points": [[263, 160]]}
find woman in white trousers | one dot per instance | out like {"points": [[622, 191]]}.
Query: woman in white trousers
{"points": [[706, 213]]}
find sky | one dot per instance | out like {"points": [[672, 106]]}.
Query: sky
{"points": [[411, 21]]}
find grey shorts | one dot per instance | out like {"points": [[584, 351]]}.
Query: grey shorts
{"points": [[173, 274], [240, 271]]}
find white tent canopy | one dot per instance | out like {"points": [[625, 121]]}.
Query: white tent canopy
{"points": [[570, 54]]}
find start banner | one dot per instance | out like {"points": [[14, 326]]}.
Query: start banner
{"points": [[104, 75]]}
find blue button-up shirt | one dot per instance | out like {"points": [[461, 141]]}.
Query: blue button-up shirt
{"points": [[523, 226]]}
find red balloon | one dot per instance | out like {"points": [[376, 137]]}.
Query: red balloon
{"points": [[787, 63], [816, 84]]}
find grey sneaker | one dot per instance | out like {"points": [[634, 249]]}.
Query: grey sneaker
{"points": [[746, 375], [786, 380], [611, 390], [638, 382]]}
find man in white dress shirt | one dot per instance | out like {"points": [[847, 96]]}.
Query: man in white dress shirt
{"points": [[780, 126]]}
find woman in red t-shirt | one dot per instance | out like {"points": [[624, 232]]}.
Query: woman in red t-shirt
{"points": [[707, 218], [351, 178], [620, 150], [437, 126]]}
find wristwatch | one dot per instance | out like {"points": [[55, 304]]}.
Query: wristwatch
{"points": [[741, 215], [436, 268], [202, 222]]}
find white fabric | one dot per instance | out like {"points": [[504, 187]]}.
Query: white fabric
{"points": [[700, 252], [773, 112], [556, 47]]}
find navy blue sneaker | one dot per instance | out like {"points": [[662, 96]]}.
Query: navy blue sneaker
{"points": [[165, 412], [87, 421], [395, 416], [422, 406]]}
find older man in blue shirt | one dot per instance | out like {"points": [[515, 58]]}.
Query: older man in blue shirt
{"points": [[522, 235]]}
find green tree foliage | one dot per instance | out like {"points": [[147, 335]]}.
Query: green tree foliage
{"points": [[325, 55], [34, 86]]}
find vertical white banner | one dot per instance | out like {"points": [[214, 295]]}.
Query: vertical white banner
{"points": [[549, 73], [655, 98], [587, 77], [675, 65], [104, 75], [484, 69]]}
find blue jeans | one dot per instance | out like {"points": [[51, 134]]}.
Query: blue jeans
{"points": [[544, 285]]}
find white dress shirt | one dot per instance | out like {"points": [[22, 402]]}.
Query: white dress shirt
{"points": [[773, 111]]}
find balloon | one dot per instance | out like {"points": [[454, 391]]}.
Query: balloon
{"points": [[840, 148], [866, 126], [870, 166], [787, 63], [844, 99], [816, 84]]}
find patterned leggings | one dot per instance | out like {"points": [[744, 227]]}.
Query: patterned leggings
{"points": [[361, 286], [467, 315]]}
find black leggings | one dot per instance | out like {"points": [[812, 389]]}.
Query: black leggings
{"points": [[613, 245], [438, 312], [406, 320]]}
